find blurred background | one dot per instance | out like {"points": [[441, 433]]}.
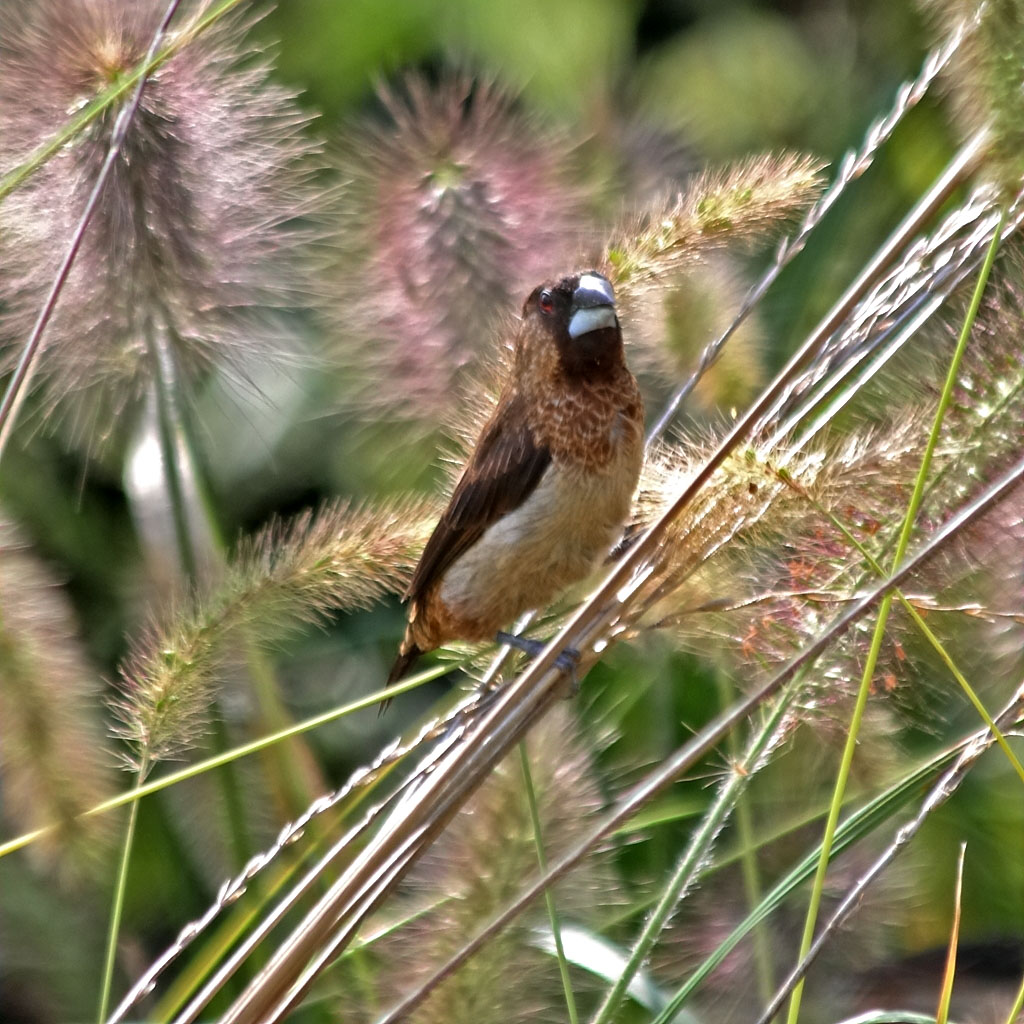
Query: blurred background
{"points": [[613, 101]]}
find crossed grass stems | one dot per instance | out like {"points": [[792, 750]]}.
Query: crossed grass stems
{"points": [[323, 935], [459, 735], [869, 324]]}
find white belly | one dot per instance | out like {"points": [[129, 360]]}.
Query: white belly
{"points": [[554, 539]]}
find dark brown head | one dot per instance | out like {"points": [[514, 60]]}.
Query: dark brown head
{"points": [[576, 316]]}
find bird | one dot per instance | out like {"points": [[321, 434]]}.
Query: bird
{"points": [[549, 483]]}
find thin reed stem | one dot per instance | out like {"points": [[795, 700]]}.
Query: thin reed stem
{"points": [[949, 973], [18, 385], [549, 897], [226, 757], [839, 792], [125, 82], [235, 825], [925, 630], [170, 434], [846, 763], [1018, 1005], [117, 901], [685, 873], [752, 887], [966, 753], [173, 445]]}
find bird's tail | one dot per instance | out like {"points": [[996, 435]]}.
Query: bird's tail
{"points": [[407, 655]]}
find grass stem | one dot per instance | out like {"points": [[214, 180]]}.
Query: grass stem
{"points": [[867, 676], [549, 899]]}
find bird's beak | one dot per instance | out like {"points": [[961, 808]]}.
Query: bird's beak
{"points": [[593, 306]]}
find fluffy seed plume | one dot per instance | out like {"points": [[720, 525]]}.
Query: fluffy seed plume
{"points": [[756, 566], [743, 202], [981, 437], [51, 748], [194, 237], [455, 208], [339, 558]]}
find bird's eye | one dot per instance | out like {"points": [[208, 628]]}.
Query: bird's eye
{"points": [[546, 302]]}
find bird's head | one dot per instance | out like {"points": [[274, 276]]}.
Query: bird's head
{"points": [[573, 319]]}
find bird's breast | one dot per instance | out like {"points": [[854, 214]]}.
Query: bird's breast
{"points": [[555, 538]]}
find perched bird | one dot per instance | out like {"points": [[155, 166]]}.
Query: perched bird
{"points": [[550, 481]]}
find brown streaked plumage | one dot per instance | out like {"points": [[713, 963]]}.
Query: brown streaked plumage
{"points": [[549, 484]]}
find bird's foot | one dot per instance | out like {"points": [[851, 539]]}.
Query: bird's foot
{"points": [[567, 659]]}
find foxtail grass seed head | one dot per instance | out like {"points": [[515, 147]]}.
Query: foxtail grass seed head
{"points": [[971, 592], [739, 204], [454, 208], [980, 582], [337, 558], [988, 400], [51, 747], [756, 567], [195, 237]]}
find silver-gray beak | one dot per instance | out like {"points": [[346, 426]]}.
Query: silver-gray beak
{"points": [[593, 305]]}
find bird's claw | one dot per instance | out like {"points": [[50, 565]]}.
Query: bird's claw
{"points": [[567, 660]]}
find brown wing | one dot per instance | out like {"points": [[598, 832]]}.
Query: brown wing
{"points": [[503, 471]]}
